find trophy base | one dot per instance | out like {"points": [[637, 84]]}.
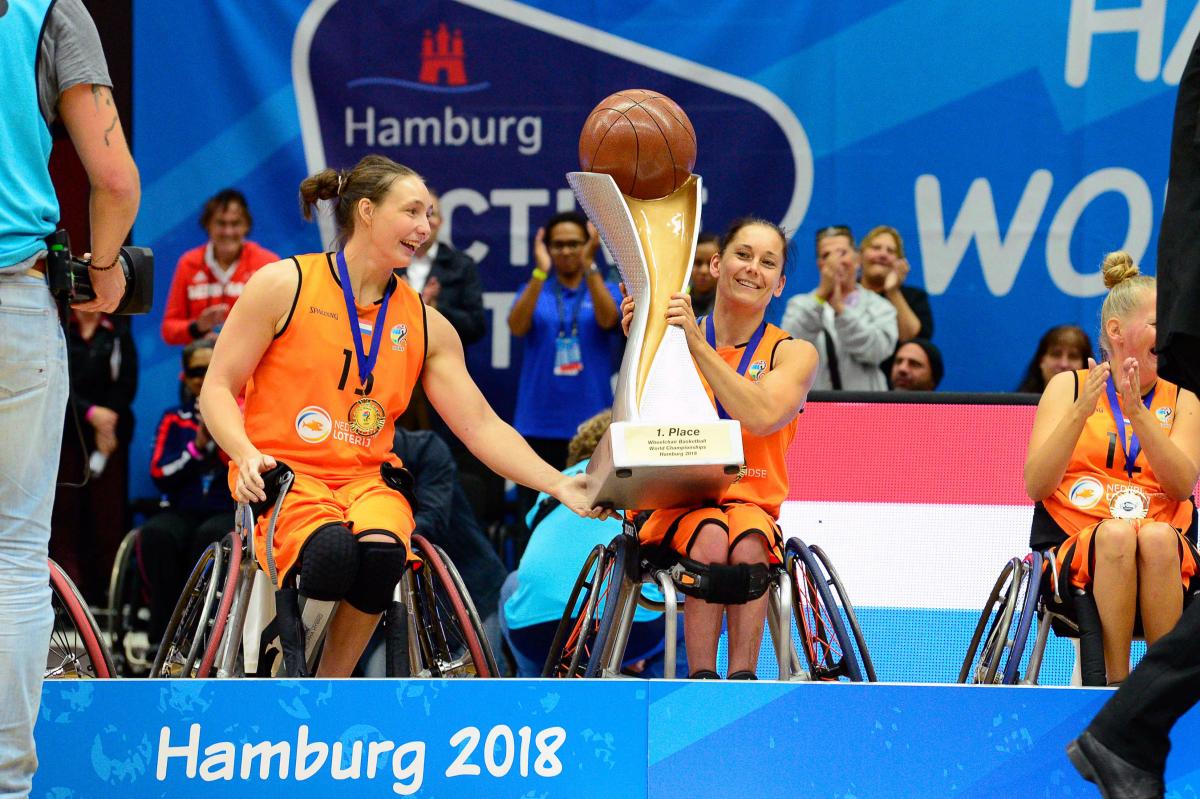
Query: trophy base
{"points": [[647, 466]]}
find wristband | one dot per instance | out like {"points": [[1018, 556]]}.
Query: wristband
{"points": [[195, 453], [820, 300], [92, 264], [540, 274], [194, 329], [87, 415]]}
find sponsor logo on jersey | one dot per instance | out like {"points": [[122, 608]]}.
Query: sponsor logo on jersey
{"points": [[1086, 492], [756, 369], [313, 424], [1164, 416], [399, 337], [322, 312]]}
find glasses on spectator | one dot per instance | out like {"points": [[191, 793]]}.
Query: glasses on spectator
{"points": [[566, 246], [834, 230], [195, 371]]}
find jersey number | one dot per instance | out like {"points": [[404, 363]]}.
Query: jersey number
{"points": [[1112, 453], [363, 391]]}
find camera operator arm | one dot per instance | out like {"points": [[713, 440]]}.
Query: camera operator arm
{"points": [[95, 129]]}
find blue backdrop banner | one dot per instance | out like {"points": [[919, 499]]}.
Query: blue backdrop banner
{"points": [[1013, 143]]}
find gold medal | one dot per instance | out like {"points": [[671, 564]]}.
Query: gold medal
{"points": [[366, 417], [1129, 502]]}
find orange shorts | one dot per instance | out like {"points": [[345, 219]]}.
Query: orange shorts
{"points": [[675, 528], [1076, 556], [363, 505]]}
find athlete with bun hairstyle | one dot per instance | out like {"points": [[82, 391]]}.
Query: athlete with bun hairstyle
{"points": [[759, 375], [1112, 463], [327, 348]]}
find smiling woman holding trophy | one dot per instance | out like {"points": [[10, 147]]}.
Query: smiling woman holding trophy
{"points": [[705, 409]]}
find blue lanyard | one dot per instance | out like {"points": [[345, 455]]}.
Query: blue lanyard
{"points": [[710, 335], [1134, 447], [366, 361], [558, 290]]}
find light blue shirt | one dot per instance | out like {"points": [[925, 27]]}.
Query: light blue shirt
{"points": [[553, 558], [28, 204]]}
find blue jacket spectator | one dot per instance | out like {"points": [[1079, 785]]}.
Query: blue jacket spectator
{"points": [[192, 474]]}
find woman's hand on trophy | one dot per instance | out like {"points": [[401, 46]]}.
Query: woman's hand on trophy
{"points": [[626, 310], [571, 490], [681, 314], [541, 253]]}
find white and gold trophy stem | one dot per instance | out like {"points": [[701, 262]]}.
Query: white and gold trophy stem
{"points": [[666, 447]]}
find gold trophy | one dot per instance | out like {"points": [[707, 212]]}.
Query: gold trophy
{"points": [[666, 447]]}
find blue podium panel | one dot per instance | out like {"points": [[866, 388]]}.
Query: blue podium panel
{"points": [[328, 738], [844, 741]]}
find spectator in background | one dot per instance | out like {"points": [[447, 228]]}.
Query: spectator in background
{"points": [[192, 475], [853, 330], [704, 284], [209, 278], [565, 314], [1064, 348], [534, 596], [444, 516], [917, 366], [89, 522], [448, 279], [884, 271]]}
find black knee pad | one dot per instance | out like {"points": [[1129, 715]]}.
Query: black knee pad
{"points": [[721, 583], [380, 567], [328, 563]]}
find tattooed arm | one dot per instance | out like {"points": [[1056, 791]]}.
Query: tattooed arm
{"points": [[95, 129]]}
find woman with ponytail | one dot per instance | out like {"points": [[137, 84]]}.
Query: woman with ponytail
{"points": [[327, 348], [1112, 465]]}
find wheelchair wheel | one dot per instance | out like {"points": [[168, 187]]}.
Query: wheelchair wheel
{"points": [[823, 636], [1027, 604], [128, 609], [188, 632], [580, 643], [76, 649], [232, 547], [843, 599], [982, 661], [450, 633]]}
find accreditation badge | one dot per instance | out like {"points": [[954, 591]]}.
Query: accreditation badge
{"points": [[366, 417], [1129, 502]]}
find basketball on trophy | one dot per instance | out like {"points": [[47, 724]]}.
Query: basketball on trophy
{"points": [[642, 139]]}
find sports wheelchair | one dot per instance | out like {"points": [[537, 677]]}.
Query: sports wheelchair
{"points": [[76, 646], [1032, 594], [233, 619], [128, 622], [594, 629]]}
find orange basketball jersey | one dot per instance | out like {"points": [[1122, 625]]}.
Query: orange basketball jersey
{"points": [[763, 480], [1096, 472], [304, 403]]}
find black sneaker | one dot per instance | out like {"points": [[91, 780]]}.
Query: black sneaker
{"points": [[1116, 777]]}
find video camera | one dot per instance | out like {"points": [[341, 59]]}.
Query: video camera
{"points": [[69, 278]]}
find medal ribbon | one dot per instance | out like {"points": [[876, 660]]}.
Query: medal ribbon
{"points": [[366, 360], [1134, 447], [710, 335]]}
